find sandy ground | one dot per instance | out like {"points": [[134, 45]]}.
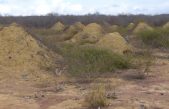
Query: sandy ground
{"points": [[20, 92]]}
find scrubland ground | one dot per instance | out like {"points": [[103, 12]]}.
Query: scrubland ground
{"points": [[112, 77], [27, 92]]}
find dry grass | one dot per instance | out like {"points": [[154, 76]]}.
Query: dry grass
{"points": [[97, 97], [143, 63]]}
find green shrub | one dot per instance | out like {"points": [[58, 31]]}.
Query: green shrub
{"points": [[156, 38], [91, 60]]}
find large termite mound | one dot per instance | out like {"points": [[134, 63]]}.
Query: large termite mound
{"points": [[142, 27], [114, 42], [58, 27], [90, 34], [19, 50]]}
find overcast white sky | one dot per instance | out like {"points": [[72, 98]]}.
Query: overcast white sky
{"points": [[114, 7]]}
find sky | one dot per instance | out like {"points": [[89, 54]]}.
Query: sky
{"points": [[81, 7]]}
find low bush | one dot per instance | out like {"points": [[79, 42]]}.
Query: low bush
{"points": [[156, 38], [91, 60]]}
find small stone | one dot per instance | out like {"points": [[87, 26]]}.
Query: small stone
{"points": [[161, 93], [42, 96]]}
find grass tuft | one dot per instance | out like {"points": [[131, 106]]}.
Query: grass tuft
{"points": [[97, 97]]}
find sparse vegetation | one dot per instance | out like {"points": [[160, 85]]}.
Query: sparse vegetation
{"points": [[91, 60], [121, 30], [155, 38], [149, 61], [44, 81], [96, 98], [86, 63], [143, 63], [44, 32]]}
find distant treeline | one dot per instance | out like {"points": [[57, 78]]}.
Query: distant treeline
{"points": [[50, 19]]}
